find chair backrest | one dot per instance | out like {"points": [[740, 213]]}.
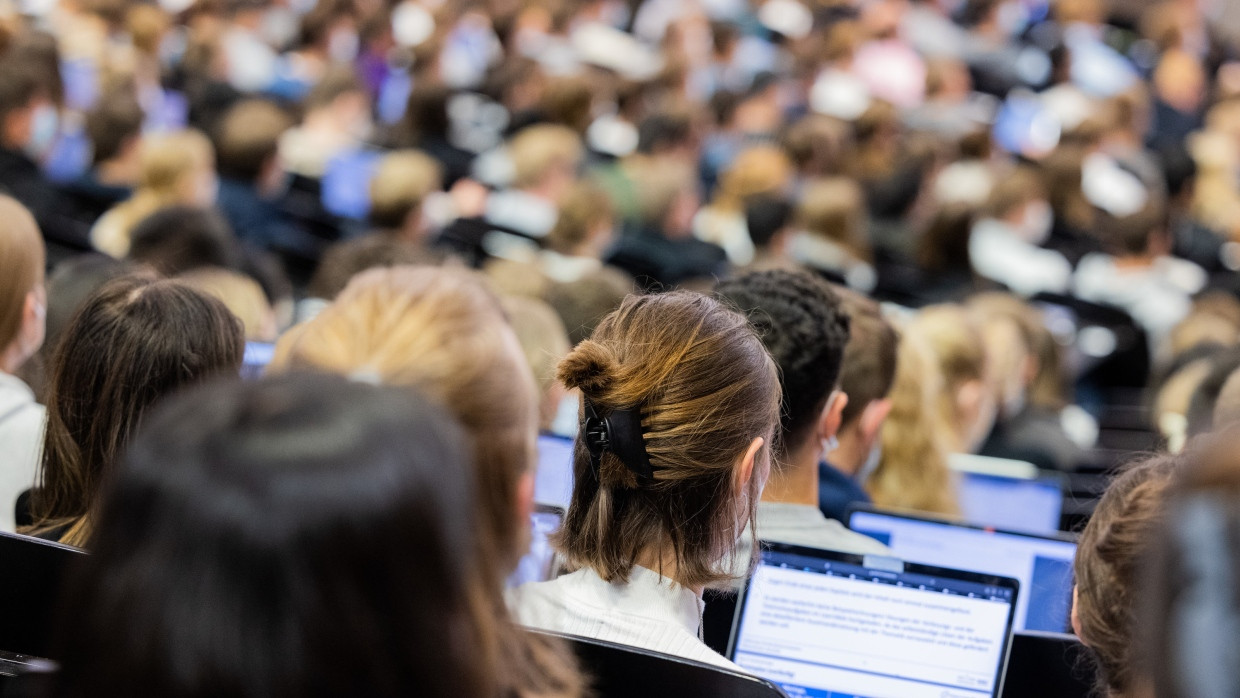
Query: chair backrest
{"points": [[1047, 664], [31, 574], [617, 671]]}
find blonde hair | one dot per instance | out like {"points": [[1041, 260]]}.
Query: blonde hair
{"points": [[757, 170], [167, 162], [544, 341], [536, 150], [22, 259], [400, 184], [834, 208], [913, 472], [440, 330], [583, 208], [704, 388], [242, 295], [959, 351]]}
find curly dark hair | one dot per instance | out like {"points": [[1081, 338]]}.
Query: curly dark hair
{"points": [[804, 328]]}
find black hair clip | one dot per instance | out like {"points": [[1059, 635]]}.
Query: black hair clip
{"points": [[620, 432]]}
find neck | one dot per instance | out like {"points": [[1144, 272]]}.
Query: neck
{"points": [[795, 479], [851, 454], [1135, 261], [12, 358], [664, 562], [118, 172]]}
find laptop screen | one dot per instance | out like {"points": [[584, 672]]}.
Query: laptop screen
{"points": [[1010, 503], [257, 356], [822, 623], [538, 563], [553, 482], [1043, 564]]}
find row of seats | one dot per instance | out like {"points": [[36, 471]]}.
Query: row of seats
{"points": [[32, 570]]}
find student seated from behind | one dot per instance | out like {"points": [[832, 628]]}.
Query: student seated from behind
{"points": [[1107, 569], [282, 572], [1006, 242], [137, 340], [803, 326], [1138, 274], [866, 376], [681, 401], [23, 312]]}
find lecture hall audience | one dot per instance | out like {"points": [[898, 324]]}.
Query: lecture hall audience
{"points": [[764, 260]]}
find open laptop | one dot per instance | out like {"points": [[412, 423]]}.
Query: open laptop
{"points": [[1011, 495], [553, 481], [1042, 563], [254, 361], [823, 623], [538, 565]]}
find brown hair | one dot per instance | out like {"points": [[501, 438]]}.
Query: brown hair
{"points": [[705, 387], [248, 136], [537, 150], [440, 330], [401, 183], [1108, 559], [23, 257], [1013, 190], [869, 366], [583, 208], [139, 339], [834, 208]]}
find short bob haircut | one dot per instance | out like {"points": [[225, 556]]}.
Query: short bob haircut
{"points": [[137, 340], [294, 537], [705, 387]]}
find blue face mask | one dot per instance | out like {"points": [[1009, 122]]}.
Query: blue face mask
{"points": [[44, 127]]}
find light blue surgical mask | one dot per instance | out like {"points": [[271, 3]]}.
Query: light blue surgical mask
{"points": [[870, 465], [44, 127]]}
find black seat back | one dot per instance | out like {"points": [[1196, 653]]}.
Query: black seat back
{"points": [[31, 574], [618, 671], [1047, 664]]}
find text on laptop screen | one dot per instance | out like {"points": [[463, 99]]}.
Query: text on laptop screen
{"points": [[825, 628], [1043, 565], [553, 481], [536, 565], [1010, 503]]}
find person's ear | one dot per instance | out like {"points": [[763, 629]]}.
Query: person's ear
{"points": [[872, 418], [750, 467], [832, 415], [34, 319], [969, 399]]}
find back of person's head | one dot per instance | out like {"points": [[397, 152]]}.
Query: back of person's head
{"points": [[1133, 234], [1214, 319], [965, 405], [802, 325], [544, 341], [1205, 398], [1107, 566], [1013, 332], [20, 86], [241, 295], [766, 215], [400, 184], [834, 209], [1188, 602], [586, 216], [912, 471], [1013, 191], [345, 260], [245, 519], [136, 341], [248, 137], [169, 163], [439, 329], [762, 169], [114, 122], [581, 304], [944, 245], [660, 184], [543, 150], [665, 131], [179, 239], [22, 299], [868, 368], [696, 392], [71, 283]]}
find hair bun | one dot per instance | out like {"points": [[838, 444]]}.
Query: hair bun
{"points": [[590, 367]]}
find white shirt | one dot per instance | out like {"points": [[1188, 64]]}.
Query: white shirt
{"points": [[800, 524], [998, 253], [1157, 296], [650, 612], [21, 442]]}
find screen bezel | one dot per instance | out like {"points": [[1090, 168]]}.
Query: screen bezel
{"points": [[908, 567], [856, 507]]}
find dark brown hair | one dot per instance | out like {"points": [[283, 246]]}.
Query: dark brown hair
{"points": [[137, 340], [705, 388], [1108, 558], [869, 366]]}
